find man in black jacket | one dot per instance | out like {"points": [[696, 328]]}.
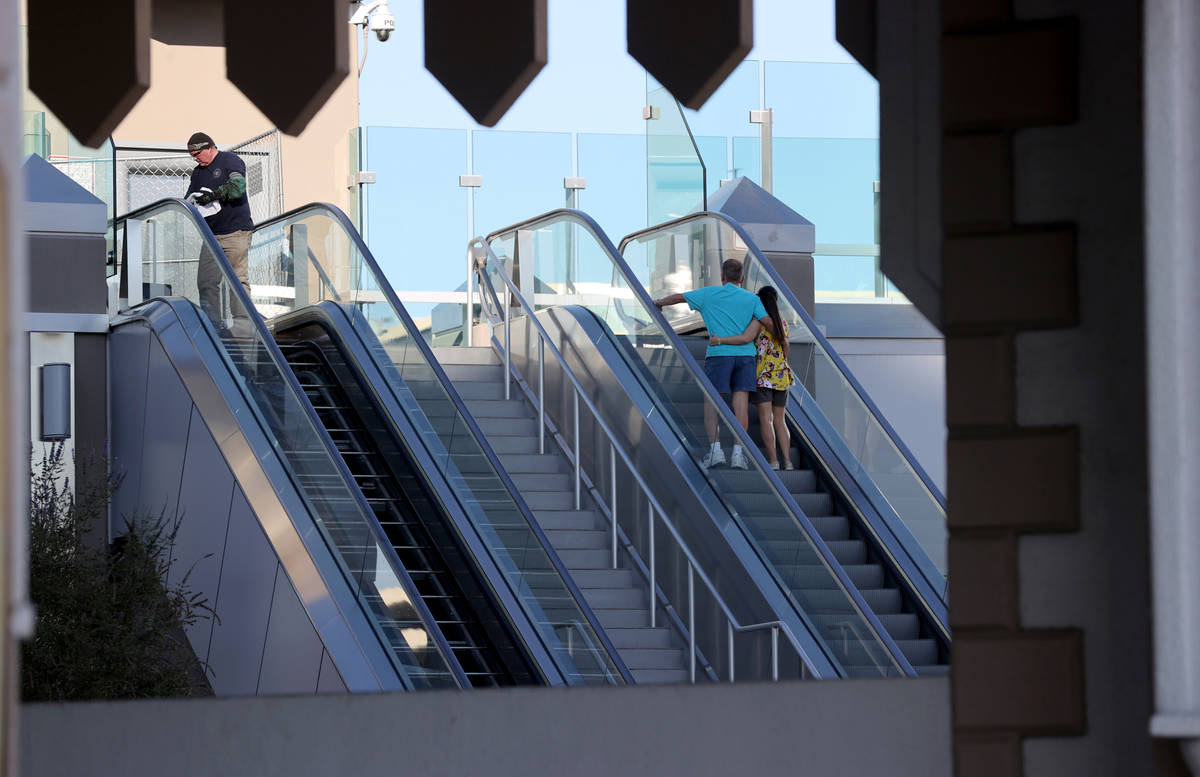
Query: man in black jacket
{"points": [[220, 177]]}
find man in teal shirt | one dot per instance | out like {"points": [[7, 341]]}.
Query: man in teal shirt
{"points": [[727, 310]]}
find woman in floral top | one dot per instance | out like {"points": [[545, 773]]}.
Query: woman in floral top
{"points": [[774, 377]]}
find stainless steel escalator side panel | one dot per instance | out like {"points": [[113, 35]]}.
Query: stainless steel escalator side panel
{"points": [[332, 608]]}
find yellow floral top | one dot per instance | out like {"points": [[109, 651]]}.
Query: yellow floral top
{"points": [[773, 369]]}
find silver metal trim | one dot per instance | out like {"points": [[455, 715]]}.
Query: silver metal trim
{"points": [[93, 323]]}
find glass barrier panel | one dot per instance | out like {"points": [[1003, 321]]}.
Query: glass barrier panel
{"points": [[174, 254], [675, 172], [313, 258], [534, 255], [688, 255]]}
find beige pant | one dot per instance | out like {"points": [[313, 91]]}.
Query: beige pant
{"points": [[236, 246]]}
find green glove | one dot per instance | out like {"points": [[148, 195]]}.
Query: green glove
{"points": [[203, 198], [232, 189]]}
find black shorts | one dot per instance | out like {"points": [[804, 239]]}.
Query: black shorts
{"points": [[777, 397]]}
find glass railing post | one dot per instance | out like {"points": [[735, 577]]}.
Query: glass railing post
{"points": [[653, 567], [541, 394], [691, 594], [729, 651], [613, 502], [133, 262], [774, 652], [507, 351], [578, 466]]}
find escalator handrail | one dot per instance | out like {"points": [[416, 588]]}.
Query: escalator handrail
{"points": [[830, 351], [616, 446], [639, 291], [385, 286], [235, 288]]}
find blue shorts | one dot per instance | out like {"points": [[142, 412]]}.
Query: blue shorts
{"points": [[731, 373]]}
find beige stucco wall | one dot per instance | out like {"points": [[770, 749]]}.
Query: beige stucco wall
{"points": [[189, 93]]}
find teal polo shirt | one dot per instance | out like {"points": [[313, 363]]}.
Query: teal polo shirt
{"points": [[727, 311]]}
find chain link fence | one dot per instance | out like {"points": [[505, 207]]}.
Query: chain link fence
{"points": [[146, 174]]}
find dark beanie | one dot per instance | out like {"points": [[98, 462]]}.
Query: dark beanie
{"points": [[199, 141]]}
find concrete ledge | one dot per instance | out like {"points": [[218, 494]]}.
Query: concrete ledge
{"points": [[892, 727]]}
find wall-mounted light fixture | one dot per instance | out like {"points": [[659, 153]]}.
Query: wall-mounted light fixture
{"points": [[56, 401]]}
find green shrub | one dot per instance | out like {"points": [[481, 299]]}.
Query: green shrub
{"points": [[108, 626]]}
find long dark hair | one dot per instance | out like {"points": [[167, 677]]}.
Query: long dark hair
{"points": [[770, 301]]}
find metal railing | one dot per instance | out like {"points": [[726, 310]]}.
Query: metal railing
{"points": [[480, 255]]}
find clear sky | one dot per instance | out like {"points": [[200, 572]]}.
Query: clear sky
{"points": [[590, 83]]}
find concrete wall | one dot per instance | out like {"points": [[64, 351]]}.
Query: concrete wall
{"points": [[850, 728]]}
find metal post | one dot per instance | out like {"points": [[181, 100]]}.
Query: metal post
{"points": [[764, 118], [613, 504], [507, 352], [774, 652], [298, 246], [575, 396], [133, 262], [729, 637], [469, 308], [653, 571], [880, 281], [541, 394], [152, 226], [691, 624]]}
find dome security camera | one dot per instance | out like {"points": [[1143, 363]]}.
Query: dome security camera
{"points": [[382, 23], [375, 16]]}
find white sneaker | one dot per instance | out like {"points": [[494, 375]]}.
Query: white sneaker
{"points": [[714, 458], [738, 459]]}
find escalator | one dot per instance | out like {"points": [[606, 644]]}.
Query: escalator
{"points": [[411, 520], [798, 550], [429, 609], [869, 496], [338, 322]]}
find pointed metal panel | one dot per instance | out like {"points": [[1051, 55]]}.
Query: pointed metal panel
{"points": [[690, 46], [287, 56], [855, 30], [485, 52], [89, 62]]}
